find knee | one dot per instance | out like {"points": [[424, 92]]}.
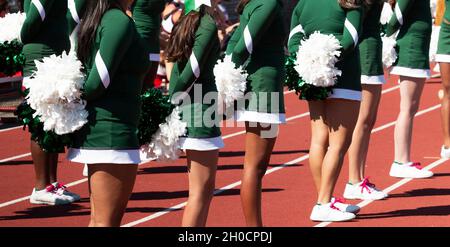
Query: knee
{"points": [[204, 192], [369, 123]]}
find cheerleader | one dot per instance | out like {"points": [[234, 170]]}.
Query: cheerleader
{"points": [[194, 49], [147, 16], [412, 19], [443, 57], [44, 33], [111, 50], [372, 79], [333, 119], [258, 44]]}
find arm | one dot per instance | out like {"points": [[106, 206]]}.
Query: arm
{"points": [[115, 39], [401, 9], [75, 13], [352, 30], [36, 14], [204, 38], [297, 33], [260, 20]]}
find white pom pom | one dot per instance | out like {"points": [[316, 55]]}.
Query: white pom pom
{"points": [[386, 14], [165, 142], [10, 27], [316, 59], [389, 52], [231, 82], [434, 42], [55, 93]]}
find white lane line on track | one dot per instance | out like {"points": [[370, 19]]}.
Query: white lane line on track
{"points": [[233, 185], [12, 128], [391, 188], [224, 137]]}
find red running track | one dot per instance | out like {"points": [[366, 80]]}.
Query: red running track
{"points": [[288, 195]]}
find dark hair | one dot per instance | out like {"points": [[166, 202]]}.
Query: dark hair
{"points": [[89, 24], [350, 4], [183, 34], [241, 6]]}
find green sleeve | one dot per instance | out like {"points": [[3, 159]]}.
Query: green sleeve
{"points": [[36, 13], [235, 37], [75, 13], [352, 30], [204, 37], [260, 19], [401, 9], [115, 40], [297, 33]]}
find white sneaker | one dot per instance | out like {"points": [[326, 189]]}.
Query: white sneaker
{"points": [[409, 170], [329, 213], [48, 196], [445, 152], [61, 189], [85, 170], [363, 191], [344, 207]]}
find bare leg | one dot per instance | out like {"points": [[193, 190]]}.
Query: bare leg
{"points": [[41, 167], [410, 92], [445, 110], [256, 161], [357, 152], [111, 187], [53, 167], [341, 117], [319, 140], [202, 167]]}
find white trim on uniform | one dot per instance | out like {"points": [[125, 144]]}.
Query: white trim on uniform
{"points": [[260, 117], [442, 58], [73, 11], [154, 57], [201, 144], [102, 70], [416, 73], [295, 30], [40, 8], [248, 40], [398, 14], [194, 65], [349, 26], [341, 93], [373, 79], [93, 156]]}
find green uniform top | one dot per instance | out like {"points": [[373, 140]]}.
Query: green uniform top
{"points": [[75, 12], [44, 31], [444, 35], [147, 15], [447, 10], [328, 17], [371, 46], [198, 71], [259, 41], [413, 19], [115, 71]]}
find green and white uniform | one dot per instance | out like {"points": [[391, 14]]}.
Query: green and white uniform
{"points": [[443, 53], [258, 43], [74, 15], [371, 48], [190, 82], [115, 72], [413, 19], [44, 31], [147, 16], [327, 17]]}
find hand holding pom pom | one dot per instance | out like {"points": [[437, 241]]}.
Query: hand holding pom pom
{"points": [[231, 82]]}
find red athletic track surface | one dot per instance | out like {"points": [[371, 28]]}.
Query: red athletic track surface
{"points": [[288, 194]]}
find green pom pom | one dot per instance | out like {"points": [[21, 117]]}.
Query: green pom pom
{"points": [[11, 57], [304, 90], [49, 141], [154, 110]]}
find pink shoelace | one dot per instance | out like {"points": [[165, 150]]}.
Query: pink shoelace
{"points": [[51, 188], [417, 165], [336, 200], [367, 185]]}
